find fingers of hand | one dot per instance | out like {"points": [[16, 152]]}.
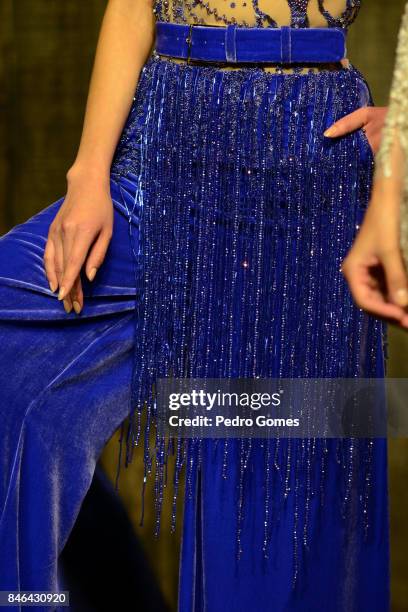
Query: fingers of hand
{"points": [[369, 291], [49, 265], [348, 123], [53, 263], [59, 269], [97, 253], [396, 277], [372, 301], [73, 260], [77, 295]]}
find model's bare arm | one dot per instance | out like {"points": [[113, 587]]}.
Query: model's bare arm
{"points": [[82, 228]]}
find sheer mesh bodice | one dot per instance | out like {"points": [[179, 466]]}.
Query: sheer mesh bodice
{"points": [[259, 13]]}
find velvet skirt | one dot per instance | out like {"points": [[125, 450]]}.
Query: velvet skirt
{"points": [[232, 214]]}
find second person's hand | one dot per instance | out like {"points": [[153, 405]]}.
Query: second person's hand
{"points": [[374, 267], [369, 118]]}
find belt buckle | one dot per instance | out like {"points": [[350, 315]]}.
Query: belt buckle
{"points": [[189, 41]]}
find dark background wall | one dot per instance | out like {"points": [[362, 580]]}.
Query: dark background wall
{"points": [[46, 51], [47, 48]]}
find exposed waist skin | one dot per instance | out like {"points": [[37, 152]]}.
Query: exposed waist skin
{"points": [[273, 68]]}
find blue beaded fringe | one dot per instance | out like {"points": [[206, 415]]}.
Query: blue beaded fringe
{"points": [[246, 212]]}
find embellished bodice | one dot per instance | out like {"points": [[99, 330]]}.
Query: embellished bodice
{"points": [[259, 13]]}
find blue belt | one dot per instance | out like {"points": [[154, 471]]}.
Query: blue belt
{"points": [[234, 44]]}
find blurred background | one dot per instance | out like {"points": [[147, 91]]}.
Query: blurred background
{"points": [[47, 48]]}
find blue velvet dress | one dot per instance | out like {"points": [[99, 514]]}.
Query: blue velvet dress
{"points": [[232, 216]]}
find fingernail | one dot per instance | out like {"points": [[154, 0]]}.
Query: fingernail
{"points": [[330, 132], [61, 293], [401, 297], [53, 286], [77, 306], [92, 274], [67, 306]]}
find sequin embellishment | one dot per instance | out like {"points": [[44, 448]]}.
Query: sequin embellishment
{"points": [[246, 212], [199, 11]]}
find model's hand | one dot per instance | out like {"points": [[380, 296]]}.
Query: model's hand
{"points": [[370, 118], [374, 266], [80, 232]]}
